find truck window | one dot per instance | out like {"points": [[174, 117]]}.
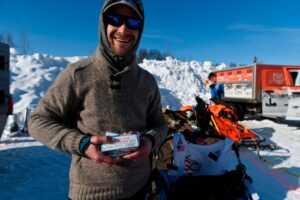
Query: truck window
{"points": [[295, 74], [2, 63]]}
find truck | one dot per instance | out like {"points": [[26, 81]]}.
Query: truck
{"points": [[6, 104], [264, 89]]}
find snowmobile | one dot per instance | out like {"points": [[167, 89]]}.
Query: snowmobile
{"points": [[192, 167], [213, 120]]}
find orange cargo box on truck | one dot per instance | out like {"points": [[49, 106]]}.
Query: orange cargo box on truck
{"points": [[270, 90]]}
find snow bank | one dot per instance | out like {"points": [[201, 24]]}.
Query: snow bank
{"points": [[179, 81]]}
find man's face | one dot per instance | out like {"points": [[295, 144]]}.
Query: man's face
{"points": [[122, 39], [213, 79]]}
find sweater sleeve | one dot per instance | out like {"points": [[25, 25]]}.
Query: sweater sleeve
{"points": [[49, 122], [156, 124]]}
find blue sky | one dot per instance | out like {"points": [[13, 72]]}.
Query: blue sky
{"points": [[219, 31]]}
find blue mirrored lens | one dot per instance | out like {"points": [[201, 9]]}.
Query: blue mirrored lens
{"points": [[133, 23], [115, 20], [118, 20]]}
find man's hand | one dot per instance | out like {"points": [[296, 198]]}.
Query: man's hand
{"points": [[143, 151], [93, 152]]}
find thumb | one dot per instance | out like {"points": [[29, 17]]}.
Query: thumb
{"points": [[101, 140]]}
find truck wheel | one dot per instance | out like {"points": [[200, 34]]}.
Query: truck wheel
{"points": [[238, 109]]}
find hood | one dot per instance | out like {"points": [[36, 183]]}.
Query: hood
{"points": [[114, 60]]}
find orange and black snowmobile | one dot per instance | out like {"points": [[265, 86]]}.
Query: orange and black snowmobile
{"points": [[216, 120]]}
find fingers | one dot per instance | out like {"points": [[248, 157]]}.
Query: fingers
{"points": [[139, 153], [132, 156], [105, 160], [143, 151], [108, 162], [133, 132], [94, 153], [100, 140], [100, 158], [107, 165]]}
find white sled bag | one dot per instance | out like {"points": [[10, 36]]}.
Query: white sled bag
{"points": [[197, 160]]}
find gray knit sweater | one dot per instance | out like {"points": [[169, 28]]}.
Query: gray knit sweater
{"points": [[88, 97]]}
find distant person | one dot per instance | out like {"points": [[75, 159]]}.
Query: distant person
{"points": [[107, 92], [216, 89]]}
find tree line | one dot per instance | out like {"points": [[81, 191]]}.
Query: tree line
{"points": [[152, 54], [23, 45]]}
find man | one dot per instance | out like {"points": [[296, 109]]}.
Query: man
{"points": [[216, 89], [107, 92]]}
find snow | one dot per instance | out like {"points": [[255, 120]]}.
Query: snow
{"points": [[179, 81], [29, 170], [278, 177]]}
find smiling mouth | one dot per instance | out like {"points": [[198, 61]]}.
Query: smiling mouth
{"points": [[122, 40]]}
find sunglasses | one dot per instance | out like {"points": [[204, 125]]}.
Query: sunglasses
{"points": [[118, 20]]}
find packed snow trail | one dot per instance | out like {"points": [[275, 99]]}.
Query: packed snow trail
{"points": [[29, 170]]}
